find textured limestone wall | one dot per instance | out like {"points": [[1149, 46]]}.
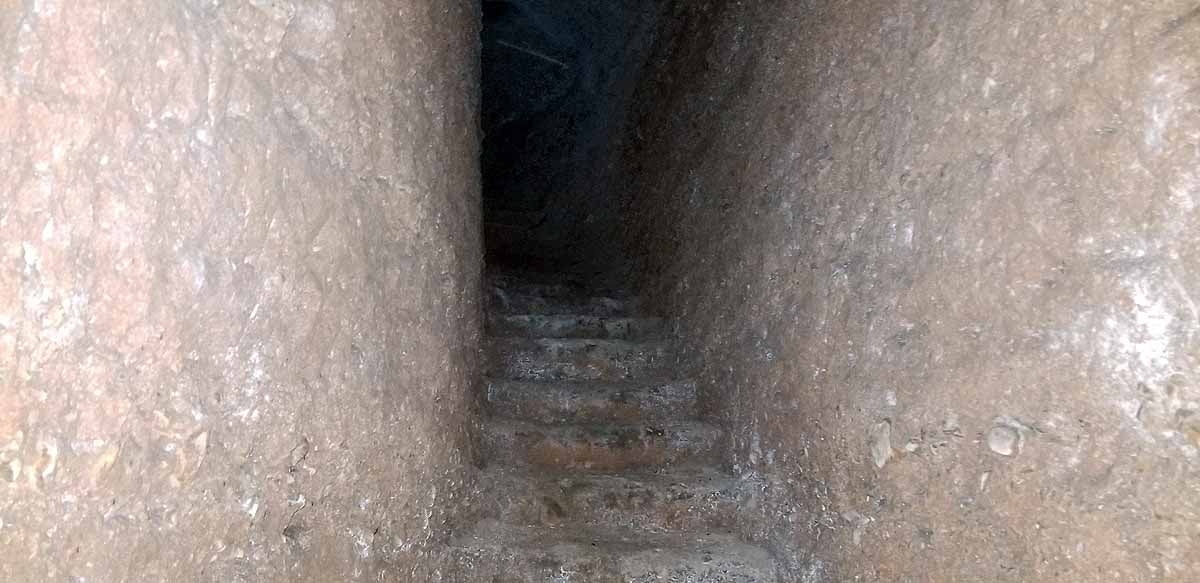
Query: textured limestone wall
{"points": [[239, 261], [938, 267]]}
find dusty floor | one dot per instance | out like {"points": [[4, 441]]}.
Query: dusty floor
{"points": [[935, 265]]}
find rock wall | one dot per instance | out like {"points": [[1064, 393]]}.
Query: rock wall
{"points": [[938, 268], [238, 289]]}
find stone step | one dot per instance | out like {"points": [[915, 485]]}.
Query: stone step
{"points": [[539, 301], [683, 498], [600, 448], [575, 326], [574, 359], [502, 553], [508, 277], [554, 284], [544, 289], [591, 401]]}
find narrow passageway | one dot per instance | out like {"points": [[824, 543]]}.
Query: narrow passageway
{"points": [[596, 463], [888, 323], [599, 291], [558, 79]]}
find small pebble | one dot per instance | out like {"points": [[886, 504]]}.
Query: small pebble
{"points": [[1003, 440], [881, 443]]}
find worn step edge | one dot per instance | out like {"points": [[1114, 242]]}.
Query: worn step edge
{"points": [[553, 285], [575, 326], [510, 278], [525, 358], [516, 301], [538, 289], [688, 497], [601, 448], [591, 401], [515, 553]]}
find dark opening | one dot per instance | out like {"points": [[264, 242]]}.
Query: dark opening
{"points": [[556, 75]]}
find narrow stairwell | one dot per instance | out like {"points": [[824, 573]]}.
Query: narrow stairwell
{"points": [[597, 466]]}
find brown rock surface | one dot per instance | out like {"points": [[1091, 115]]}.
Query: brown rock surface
{"points": [[941, 218], [239, 260]]}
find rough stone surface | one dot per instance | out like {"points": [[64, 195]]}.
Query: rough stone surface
{"points": [[941, 214], [577, 326], [592, 401], [693, 498], [239, 302], [575, 359], [503, 553], [610, 479], [601, 447]]}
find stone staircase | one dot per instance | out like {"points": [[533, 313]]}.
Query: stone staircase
{"points": [[597, 467]]}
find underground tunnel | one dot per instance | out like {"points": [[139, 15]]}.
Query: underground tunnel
{"points": [[561, 291]]}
